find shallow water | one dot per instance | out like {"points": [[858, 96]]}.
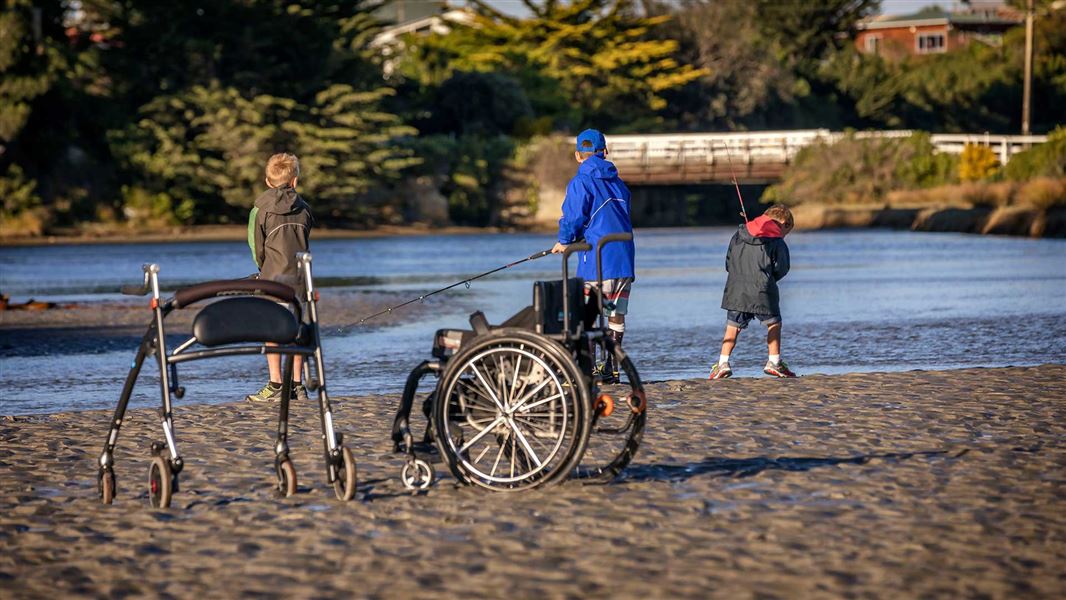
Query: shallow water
{"points": [[858, 300]]}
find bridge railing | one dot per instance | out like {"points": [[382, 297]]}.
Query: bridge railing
{"points": [[774, 147]]}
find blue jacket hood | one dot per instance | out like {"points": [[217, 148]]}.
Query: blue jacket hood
{"points": [[598, 167]]}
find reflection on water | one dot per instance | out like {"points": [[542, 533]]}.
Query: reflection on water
{"points": [[854, 301]]}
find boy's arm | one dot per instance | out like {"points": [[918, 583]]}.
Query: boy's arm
{"points": [[255, 237], [576, 208], [782, 261]]}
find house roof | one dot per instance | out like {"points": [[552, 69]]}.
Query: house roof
{"points": [[935, 15]]}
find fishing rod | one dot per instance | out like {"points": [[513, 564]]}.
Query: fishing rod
{"points": [[732, 173], [465, 282]]}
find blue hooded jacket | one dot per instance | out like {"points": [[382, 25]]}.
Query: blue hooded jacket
{"points": [[597, 204]]}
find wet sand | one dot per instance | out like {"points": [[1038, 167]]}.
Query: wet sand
{"points": [[919, 484]]}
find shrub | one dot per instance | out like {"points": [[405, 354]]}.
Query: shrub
{"points": [[977, 162], [1046, 160], [862, 169], [21, 212], [145, 209], [1043, 193]]}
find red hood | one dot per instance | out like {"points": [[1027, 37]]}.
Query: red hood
{"points": [[765, 227]]}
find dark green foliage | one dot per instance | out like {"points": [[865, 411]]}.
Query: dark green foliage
{"points": [[479, 103], [472, 170], [1045, 160]]}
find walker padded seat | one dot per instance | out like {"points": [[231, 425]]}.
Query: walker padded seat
{"points": [[233, 287], [245, 319]]}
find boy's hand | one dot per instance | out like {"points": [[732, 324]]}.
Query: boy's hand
{"points": [[558, 248]]}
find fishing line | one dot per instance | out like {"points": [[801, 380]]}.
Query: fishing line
{"points": [[465, 282], [732, 173]]}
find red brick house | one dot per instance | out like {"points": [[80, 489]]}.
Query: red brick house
{"points": [[933, 30]]}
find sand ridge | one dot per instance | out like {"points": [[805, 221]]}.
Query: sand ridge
{"points": [[913, 484]]}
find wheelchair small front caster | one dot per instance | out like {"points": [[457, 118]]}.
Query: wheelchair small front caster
{"points": [[105, 485], [344, 484], [286, 478], [160, 482], [416, 474]]}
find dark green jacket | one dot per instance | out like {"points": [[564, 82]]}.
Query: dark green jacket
{"points": [[757, 258], [279, 226]]}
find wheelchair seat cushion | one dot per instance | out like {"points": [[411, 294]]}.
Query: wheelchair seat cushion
{"points": [[245, 319]]}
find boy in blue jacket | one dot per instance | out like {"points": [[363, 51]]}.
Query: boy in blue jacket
{"points": [[597, 204]]}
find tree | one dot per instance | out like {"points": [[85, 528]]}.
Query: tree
{"points": [[582, 62]]}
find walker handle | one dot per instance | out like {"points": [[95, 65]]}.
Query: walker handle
{"points": [[141, 290]]}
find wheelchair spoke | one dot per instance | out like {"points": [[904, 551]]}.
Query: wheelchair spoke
{"points": [[525, 444], [540, 386], [528, 407], [482, 434], [487, 387]]}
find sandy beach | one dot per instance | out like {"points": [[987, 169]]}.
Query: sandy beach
{"points": [[917, 484]]}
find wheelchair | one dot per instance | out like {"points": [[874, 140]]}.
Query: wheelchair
{"points": [[524, 404], [246, 315]]}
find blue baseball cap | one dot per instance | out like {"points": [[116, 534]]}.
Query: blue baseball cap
{"points": [[591, 140]]}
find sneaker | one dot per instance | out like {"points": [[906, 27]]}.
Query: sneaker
{"points": [[720, 371], [299, 392], [779, 370], [267, 394]]}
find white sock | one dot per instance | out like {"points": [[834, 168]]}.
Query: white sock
{"points": [[775, 358], [723, 359]]}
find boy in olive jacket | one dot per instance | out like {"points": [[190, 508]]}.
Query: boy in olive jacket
{"points": [[279, 226], [756, 260]]}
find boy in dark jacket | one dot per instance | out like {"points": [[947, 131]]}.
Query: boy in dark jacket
{"points": [[756, 260], [597, 204], [279, 226]]}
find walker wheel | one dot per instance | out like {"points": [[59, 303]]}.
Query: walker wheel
{"points": [[286, 478], [160, 482], [344, 484], [105, 484], [417, 474]]}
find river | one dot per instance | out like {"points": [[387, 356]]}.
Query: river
{"points": [[855, 301]]}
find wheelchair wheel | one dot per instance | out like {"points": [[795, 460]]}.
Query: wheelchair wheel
{"points": [[512, 413], [616, 433], [105, 484], [286, 478], [344, 484], [160, 482]]}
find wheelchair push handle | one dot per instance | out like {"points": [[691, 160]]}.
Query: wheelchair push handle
{"points": [[149, 269]]}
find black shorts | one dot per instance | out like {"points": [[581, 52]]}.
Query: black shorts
{"points": [[740, 320]]}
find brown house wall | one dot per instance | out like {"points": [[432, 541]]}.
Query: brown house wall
{"points": [[897, 42]]}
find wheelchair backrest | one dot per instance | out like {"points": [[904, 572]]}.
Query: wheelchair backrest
{"points": [[548, 304]]}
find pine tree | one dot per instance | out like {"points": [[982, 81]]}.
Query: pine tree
{"points": [[582, 62]]}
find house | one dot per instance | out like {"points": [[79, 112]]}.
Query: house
{"points": [[413, 17], [933, 30]]}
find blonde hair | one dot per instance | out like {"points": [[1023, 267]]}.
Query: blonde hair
{"points": [[781, 214], [281, 169]]}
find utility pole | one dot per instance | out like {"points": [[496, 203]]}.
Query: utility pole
{"points": [[1027, 88]]}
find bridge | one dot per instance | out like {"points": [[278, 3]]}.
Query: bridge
{"points": [[759, 157]]}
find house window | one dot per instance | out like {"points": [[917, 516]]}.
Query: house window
{"points": [[931, 42], [873, 44]]}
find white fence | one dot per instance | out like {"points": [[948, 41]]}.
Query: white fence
{"points": [[693, 151]]}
